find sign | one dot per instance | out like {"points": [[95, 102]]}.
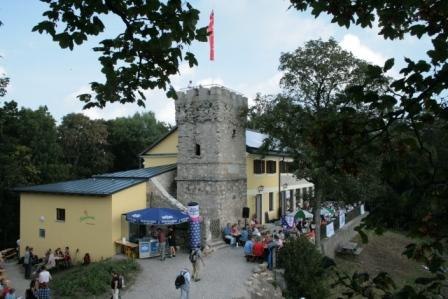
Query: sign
{"points": [[330, 229], [341, 219], [193, 211], [87, 219], [144, 249], [154, 247], [362, 209]]}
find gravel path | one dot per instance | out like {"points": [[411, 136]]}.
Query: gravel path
{"points": [[223, 276]]}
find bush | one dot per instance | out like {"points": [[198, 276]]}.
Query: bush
{"points": [[305, 274], [94, 279]]}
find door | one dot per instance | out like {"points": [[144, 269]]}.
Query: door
{"points": [[258, 206], [282, 205]]}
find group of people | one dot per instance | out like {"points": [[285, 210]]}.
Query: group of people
{"points": [[58, 258], [263, 248], [237, 234], [163, 237]]}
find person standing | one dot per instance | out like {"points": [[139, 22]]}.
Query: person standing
{"points": [[44, 276], [195, 256], [27, 262], [114, 285], [185, 287], [43, 292], [31, 293], [162, 243], [172, 241]]}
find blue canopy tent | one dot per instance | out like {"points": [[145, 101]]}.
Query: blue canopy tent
{"points": [[157, 216]]}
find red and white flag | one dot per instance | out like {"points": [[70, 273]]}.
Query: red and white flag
{"points": [[211, 35]]}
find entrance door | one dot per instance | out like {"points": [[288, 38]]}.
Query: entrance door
{"points": [[258, 206], [282, 203]]}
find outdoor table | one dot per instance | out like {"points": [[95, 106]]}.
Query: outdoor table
{"points": [[126, 247]]}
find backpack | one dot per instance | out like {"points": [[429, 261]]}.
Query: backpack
{"points": [[194, 256], [120, 283], [180, 280]]}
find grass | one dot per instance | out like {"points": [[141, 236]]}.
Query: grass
{"points": [[383, 253], [92, 280]]}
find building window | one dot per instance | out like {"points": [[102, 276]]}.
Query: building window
{"points": [[198, 150], [271, 166], [60, 214], [42, 233], [271, 201], [259, 166], [286, 167]]}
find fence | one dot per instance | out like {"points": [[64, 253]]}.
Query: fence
{"points": [[325, 229]]}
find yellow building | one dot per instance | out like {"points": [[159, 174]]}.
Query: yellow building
{"points": [[85, 215], [271, 187]]}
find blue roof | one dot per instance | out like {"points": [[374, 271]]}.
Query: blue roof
{"points": [[92, 186], [142, 173]]}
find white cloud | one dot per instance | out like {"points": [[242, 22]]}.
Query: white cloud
{"points": [[352, 43], [2, 71]]}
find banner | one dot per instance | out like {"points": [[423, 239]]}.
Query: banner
{"points": [[211, 35], [341, 219], [330, 229], [195, 225]]}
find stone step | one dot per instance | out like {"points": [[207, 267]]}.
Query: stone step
{"points": [[218, 244]]}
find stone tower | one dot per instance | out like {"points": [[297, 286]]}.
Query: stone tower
{"points": [[211, 161]]}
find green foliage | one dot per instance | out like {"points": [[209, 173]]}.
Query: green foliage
{"points": [[29, 154], [143, 56], [84, 143], [305, 273], [92, 280], [128, 136]]}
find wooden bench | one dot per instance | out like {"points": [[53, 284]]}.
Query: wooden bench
{"points": [[8, 253], [350, 248]]}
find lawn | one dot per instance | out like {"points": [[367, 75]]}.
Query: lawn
{"points": [[92, 280], [383, 253]]}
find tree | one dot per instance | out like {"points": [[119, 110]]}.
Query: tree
{"points": [[84, 144], [412, 109], [128, 136], [305, 117], [143, 56], [305, 273]]}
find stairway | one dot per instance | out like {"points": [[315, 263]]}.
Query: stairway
{"points": [[218, 244]]}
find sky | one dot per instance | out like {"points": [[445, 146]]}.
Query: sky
{"points": [[250, 36]]}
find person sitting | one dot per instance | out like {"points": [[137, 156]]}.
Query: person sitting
{"points": [[244, 236], [248, 246], [51, 260], [254, 221], [258, 250], [86, 259], [44, 276], [236, 234], [256, 232], [227, 232]]}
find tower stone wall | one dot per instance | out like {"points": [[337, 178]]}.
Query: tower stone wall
{"points": [[211, 162]]}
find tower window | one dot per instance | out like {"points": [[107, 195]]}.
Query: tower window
{"points": [[198, 150], [233, 133]]}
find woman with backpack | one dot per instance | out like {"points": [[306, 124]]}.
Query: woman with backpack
{"points": [[183, 282], [195, 256]]}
